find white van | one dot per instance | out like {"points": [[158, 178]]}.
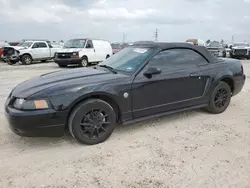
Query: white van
{"points": [[83, 52]]}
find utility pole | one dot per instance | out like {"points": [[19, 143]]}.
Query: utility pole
{"points": [[232, 39], [156, 35], [123, 38]]}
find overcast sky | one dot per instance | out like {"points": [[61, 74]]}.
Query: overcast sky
{"points": [[176, 20]]}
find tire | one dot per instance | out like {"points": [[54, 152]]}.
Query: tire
{"points": [[85, 128], [63, 66], [43, 61], [224, 54], [220, 98], [26, 59], [84, 62]]}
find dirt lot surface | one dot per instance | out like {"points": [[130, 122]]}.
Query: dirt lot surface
{"points": [[192, 149]]}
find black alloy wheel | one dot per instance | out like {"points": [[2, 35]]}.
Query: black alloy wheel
{"points": [[220, 98], [92, 121]]}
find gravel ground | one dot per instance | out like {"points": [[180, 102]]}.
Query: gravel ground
{"points": [[192, 149]]}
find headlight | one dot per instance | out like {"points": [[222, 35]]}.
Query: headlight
{"points": [[55, 54], [30, 104], [75, 55]]}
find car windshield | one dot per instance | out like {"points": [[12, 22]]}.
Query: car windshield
{"points": [[129, 59], [75, 43], [241, 45], [215, 45], [25, 44]]}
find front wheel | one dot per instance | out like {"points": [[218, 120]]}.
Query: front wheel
{"points": [[92, 121], [84, 62], [26, 59], [220, 98]]}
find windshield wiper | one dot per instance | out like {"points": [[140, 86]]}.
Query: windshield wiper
{"points": [[109, 68]]}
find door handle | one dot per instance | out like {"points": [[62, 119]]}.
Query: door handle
{"points": [[194, 75]]}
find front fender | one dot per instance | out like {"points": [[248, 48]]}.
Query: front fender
{"points": [[64, 98]]}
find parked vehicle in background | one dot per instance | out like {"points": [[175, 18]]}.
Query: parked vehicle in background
{"points": [[116, 47], [13, 43], [30, 51], [143, 42], [197, 42], [57, 44], [217, 49], [138, 83], [83, 52], [240, 50], [228, 49], [10, 55], [2, 45]]}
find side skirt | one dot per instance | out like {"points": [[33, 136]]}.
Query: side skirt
{"points": [[162, 114]]}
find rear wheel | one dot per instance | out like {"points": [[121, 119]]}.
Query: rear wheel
{"points": [[84, 62], [220, 98], [26, 59], [92, 121]]}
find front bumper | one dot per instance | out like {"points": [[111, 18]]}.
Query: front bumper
{"points": [[239, 84], [68, 61], [39, 123], [233, 55], [12, 59]]}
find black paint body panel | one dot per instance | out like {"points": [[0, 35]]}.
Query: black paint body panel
{"points": [[170, 91]]}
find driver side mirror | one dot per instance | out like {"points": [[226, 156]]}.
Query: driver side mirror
{"points": [[152, 71]]}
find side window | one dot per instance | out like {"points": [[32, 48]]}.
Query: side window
{"points": [[42, 45], [177, 59], [35, 45], [89, 44]]}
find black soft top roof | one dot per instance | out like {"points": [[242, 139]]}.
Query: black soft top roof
{"points": [[164, 46]]}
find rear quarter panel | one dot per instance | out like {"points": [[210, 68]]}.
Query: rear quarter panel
{"points": [[224, 68]]}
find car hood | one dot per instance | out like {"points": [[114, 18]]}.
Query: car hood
{"points": [[65, 50], [65, 78], [19, 47]]}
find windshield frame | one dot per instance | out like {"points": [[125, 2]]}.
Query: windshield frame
{"points": [[84, 45], [135, 72]]}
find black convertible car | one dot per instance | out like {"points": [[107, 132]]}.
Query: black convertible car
{"points": [[141, 81]]}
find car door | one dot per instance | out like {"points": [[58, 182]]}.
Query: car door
{"points": [[174, 83], [90, 51], [35, 50], [43, 50]]}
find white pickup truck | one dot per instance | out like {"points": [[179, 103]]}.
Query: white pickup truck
{"points": [[30, 51]]}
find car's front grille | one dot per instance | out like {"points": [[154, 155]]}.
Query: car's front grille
{"points": [[64, 55], [240, 51]]}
